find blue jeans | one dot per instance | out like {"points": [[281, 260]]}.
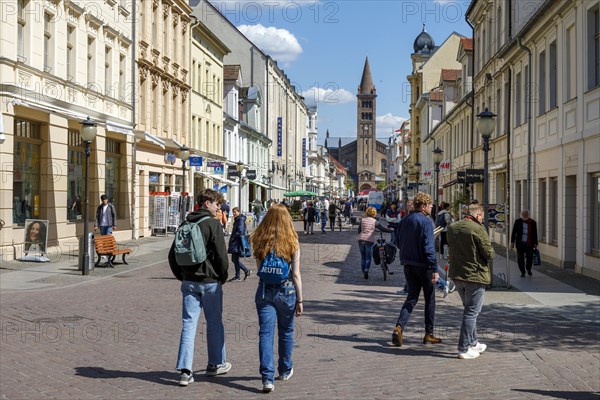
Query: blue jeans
{"points": [[366, 249], [275, 303], [417, 278], [198, 296], [471, 295], [235, 257], [106, 230]]}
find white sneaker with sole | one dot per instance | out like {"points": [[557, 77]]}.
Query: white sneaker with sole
{"points": [[268, 387], [213, 370], [480, 347], [287, 376], [185, 379], [469, 354]]}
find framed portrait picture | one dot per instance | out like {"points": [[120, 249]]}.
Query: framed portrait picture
{"points": [[36, 237]]}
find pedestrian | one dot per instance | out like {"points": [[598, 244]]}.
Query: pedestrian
{"points": [[366, 238], [257, 209], [202, 289], [417, 254], [470, 254], [525, 237], [332, 212], [303, 213], [323, 219], [393, 218], [106, 216], [277, 303], [225, 210], [236, 246], [443, 220], [310, 215], [348, 209]]}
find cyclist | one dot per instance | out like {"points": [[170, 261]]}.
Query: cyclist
{"points": [[392, 216], [366, 238]]}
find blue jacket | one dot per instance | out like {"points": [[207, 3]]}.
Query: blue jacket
{"points": [[238, 230], [415, 241]]}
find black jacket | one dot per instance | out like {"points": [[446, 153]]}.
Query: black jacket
{"points": [[214, 268], [517, 233], [238, 230]]}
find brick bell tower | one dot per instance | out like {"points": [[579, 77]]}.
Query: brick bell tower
{"points": [[365, 130]]}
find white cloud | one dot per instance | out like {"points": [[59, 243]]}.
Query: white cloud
{"points": [[388, 123], [280, 44], [331, 94]]}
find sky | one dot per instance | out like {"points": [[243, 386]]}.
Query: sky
{"points": [[322, 46]]}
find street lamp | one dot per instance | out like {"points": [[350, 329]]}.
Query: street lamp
{"points": [[270, 175], [184, 154], [438, 154], [485, 126], [88, 133], [240, 168]]}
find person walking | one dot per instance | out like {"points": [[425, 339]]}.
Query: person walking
{"points": [[524, 235], [258, 210], [443, 220], [332, 212], [236, 247], [470, 253], [392, 216], [106, 217], [417, 254], [310, 215], [277, 303], [202, 289], [366, 238], [225, 210]]}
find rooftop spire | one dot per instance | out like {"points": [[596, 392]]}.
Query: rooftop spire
{"points": [[366, 82]]}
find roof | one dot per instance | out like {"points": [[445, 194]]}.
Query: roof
{"points": [[366, 82], [436, 96], [467, 43], [450, 74], [231, 72]]}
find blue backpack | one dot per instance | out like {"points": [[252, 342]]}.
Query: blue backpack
{"points": [[189, 245], [274, 269]]}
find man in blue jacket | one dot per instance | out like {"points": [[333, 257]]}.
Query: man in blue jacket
{"points": [[417, 254]]}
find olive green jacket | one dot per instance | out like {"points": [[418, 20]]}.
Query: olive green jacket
{"points": [[470, 252]]}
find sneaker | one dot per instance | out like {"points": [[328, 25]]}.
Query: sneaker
{"points": [[429, 338], [185, 378], [529, 273], [397, 336], [268, 387], [445, 291], [235, 279], [287, 376], [247, 274], [469, 354], [479, 347], [213, 370]]}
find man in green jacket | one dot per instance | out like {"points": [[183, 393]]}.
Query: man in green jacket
{"points": [[470, 252]]}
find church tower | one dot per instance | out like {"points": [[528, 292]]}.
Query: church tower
{"points": [[366, 158]]}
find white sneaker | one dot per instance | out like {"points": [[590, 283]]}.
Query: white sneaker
{"points": [[469, 354], [479, 347], [287, 376], [268, 387], [445, 291]]}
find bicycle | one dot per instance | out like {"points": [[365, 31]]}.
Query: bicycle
{"points": [[443, 284], [384, 253]]}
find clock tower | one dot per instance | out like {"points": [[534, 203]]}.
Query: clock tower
{"points": [[366, 158]]}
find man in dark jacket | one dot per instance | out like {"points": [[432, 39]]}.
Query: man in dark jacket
{"points": [[106, 216], [201, 287], [417, 254], [470, 252], [524, 235]]}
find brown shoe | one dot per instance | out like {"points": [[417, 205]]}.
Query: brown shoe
{"points": [[429, 338], [397, 336]]}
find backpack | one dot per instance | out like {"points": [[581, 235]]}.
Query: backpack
{"points": [[189, 245], [274, 269], [440, 220]]}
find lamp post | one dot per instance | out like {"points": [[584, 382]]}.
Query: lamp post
{"points": [[88, 133], [438, 154], [417, 167], [485, 126], [270, 177], [240, 168], [405, 194], [184, 154]]}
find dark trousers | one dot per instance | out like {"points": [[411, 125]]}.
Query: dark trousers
{"points": [[524, 257], [332, 222], [235, 257], [418, 278]]}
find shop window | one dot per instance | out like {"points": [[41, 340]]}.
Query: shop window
{"points": [[595, 215], [168, 182], [154, 182], [75, 161], [112, 178], [26, 177]]}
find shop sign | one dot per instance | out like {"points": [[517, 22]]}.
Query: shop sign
{"points": [[251, 174], [170, 158], [214, 164], [195, 161]]}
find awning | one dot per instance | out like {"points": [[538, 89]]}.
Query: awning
{"points": [[217, 178], [150, 138], [257, 183], [1, 123], [448, 184], [50, 109], [115, 127], [279, 187]]}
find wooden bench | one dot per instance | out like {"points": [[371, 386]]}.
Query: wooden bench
{"points": [[106, 245]]}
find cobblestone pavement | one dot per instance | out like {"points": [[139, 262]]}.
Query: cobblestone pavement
{"points": [[117, 337]]}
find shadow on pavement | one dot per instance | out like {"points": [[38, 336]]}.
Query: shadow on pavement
{"points": [[562, 394]]}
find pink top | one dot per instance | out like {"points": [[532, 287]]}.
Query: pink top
{"points": [[367, 229]]}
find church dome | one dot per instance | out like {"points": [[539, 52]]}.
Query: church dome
{"points": [[424, 42]]}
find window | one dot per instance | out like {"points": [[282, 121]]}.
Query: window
{"points": [[122, 79], [76, 158], [571, 63], [154, 182], [168, 182], [174, 111], [542, 197], [383, 168], [518, 101], [91, 56], [107, 70], [165, 37], [553, 75], [111, 181], [517, 207], [553, 205], [154, 100], [48, 42], [165, 111], [71, 43], [501, 188], [542, 83], [178, 183], [595, 215], [21, 30], [593, 42], [26, 176], [527, 93]]}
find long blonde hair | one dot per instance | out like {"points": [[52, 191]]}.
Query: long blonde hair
{"points": [[275, 231]]}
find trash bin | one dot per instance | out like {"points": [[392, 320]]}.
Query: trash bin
{"points": [[91, 252]]}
